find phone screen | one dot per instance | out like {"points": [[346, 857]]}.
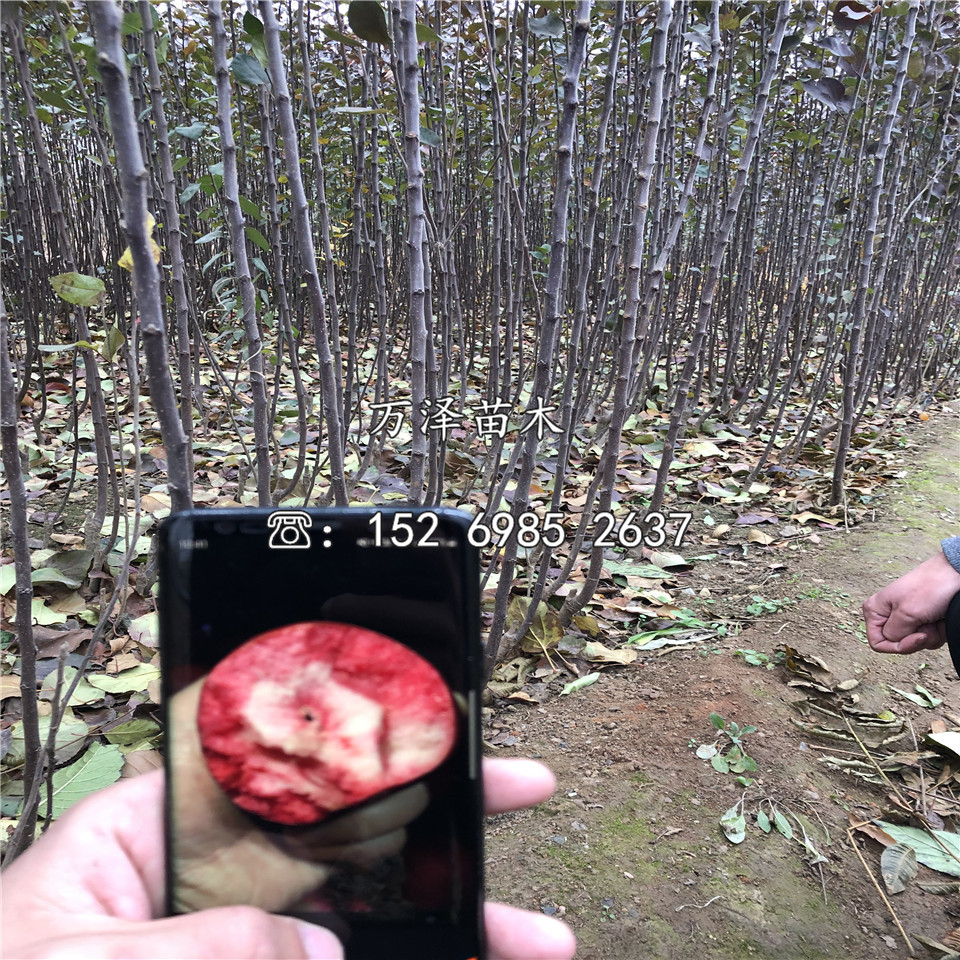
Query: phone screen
{"points": [[321, 677]]}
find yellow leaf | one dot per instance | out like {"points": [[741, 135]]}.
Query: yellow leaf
{"points": [[126, 260]]}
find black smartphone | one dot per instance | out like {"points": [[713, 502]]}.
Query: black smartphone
{"points": [[321, 683]]}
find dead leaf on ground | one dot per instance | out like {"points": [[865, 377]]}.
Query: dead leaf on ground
{"points": [[597, 652]]}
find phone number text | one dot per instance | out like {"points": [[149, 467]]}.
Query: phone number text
{"points": [[533, 530]]}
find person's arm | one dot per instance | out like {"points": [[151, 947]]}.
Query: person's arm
{"points": [[908, 614]]}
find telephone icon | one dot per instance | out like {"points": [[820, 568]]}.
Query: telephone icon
{"points": [[288, 530]]}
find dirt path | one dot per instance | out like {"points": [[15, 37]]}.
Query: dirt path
{"points": [[630, 850]]}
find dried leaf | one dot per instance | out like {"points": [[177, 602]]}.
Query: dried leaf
{"points": [[669, 561], [898, 864], [598, 652], [545, 631]]}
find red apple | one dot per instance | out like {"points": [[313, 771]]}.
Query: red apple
{"points": [[315, 717]]}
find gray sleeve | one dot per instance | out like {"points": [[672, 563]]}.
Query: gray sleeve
{"points": [[951, 550]]}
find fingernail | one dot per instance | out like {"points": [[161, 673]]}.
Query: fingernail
{"points": [[318, 942]]}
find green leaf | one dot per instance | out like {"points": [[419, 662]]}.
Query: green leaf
{"points": [[55, 99], [920, 701], [548, 27], [368, 21], [70, 739], [133, 732], [426, 34], [50, 575], [42, 614], [763, 821], [720, 764], [252, 24], [718, 721], [78, 288], [214, 234], [251, 209], [193, 132], [932, 701], [428, 137], [898, 864], [112, 343], [189, 192], [734, 824], [729, 21], [83, 694], [340, 37], [129, 681], [830, 92], [782, 824], [258, 238], [580, 683], [928, 850], [97, 768], [248, 71], [73, 564], [131, 23], [8, 577]]}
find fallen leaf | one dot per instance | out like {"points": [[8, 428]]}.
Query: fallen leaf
{"points": [[130, 681], [9, 686], [522, 695], [936, 849], [809, 515], [580, 683], [669, 561], [734, 824], [140, 761], [598, 652], [97, 768], [898, 864]]}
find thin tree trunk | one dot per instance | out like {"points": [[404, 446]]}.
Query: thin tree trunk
{"points": [[329, 375]]}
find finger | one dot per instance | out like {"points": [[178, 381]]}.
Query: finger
{"points": [[514, 934], [365, 853], [900, 625], [874, 619], [228, 933], [374, 820], [511, 784]]}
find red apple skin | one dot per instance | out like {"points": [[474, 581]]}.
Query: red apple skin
{"points": [[312, 718]]}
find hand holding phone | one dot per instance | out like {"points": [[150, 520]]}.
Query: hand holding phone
{"points": [[323, 734]]}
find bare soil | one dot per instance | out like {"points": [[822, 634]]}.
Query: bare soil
{"points": [[630, 851]]}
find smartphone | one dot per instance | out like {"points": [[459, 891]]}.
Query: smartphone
{"points": [[321, 683]]}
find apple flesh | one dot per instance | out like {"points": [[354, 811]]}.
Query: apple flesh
{"points": [[312, 718]]}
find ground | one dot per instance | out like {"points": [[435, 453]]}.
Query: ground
{"points": [[630, 851]]}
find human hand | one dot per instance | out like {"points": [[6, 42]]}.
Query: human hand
{"points": [[908, 614], [92, 886]]}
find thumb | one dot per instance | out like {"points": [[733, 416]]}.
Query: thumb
{"points": [[224, 933], [242, 933]]}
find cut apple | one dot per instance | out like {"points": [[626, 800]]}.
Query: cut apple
{"points": [[313, 718]]}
